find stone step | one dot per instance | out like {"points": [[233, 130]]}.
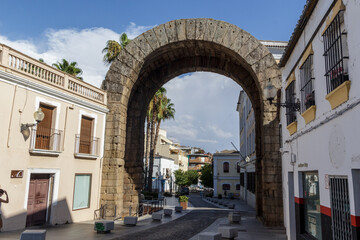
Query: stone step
{"points": [[33, 235]]}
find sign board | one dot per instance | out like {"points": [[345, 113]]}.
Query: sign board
{"points": [[17, 173], [326, 181]]}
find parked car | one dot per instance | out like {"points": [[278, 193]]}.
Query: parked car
{"points": [[184, 191]]}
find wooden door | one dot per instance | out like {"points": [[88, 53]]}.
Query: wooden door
{"points": [[37, 200], [85, 135], [43, 129]]}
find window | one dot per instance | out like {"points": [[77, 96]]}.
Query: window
{"points": [[202, 159], [251, 182], [238, 167], [290, 98], [226, 167], [237, 186], [44, 128], [336, 53], [306, 79], [86, 135], [82, 189], [226, 186], [312, 216], [242, 179]]}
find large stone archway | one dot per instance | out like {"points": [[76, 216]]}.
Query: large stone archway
{"points": [[162, 53]]}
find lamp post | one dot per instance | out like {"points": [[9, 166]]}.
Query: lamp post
{"points": [[24, 128], [270, 92]]}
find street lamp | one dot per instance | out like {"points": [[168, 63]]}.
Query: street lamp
{"points": [[24, 129], [270, 92]]}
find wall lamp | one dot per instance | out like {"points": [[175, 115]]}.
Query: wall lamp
{"points": [[270, 92], [24, 129]]}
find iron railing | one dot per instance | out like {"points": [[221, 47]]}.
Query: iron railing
{"points": [[88, 147], [290, 98], [335, 45], [45, 139], [149, 206], [307, 89]]}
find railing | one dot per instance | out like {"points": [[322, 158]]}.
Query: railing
{"points": [[86, 147], [150, 206], [100, 213], [45, 139], [25, 66]]}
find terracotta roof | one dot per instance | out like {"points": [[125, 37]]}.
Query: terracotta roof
{"points": [[306, 13]]}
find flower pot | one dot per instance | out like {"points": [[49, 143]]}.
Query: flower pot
{"points": [[184, 205]]}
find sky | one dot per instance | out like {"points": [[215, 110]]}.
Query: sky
{"points": [[77, 30]]}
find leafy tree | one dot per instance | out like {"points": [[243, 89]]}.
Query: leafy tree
{"points": [[70, 68], [192, 177], [113, 48], [206, 176], [180, 178]]}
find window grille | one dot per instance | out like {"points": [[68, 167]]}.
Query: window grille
{"points": [[335, 53], [290, 98], [340, 208], [307, 89], [226, 186], [237, 186]]}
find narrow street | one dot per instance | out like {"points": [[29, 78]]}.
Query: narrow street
{"points": [[184, 227]]}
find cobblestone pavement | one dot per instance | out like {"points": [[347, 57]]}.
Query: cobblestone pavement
{"points": [[184, 227]]}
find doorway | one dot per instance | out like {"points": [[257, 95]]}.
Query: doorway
{"points": [[40, 188]]}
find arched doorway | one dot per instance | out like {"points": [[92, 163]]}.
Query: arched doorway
{"points": [[167, 51]]}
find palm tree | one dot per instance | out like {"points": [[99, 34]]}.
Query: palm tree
{"points": [[113, 48], [155, 107], [70, 68]]}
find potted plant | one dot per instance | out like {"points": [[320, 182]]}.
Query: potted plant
{"points": [[309, 100], [183, 201]]}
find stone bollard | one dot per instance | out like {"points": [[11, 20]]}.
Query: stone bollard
{"points": [[33, 235], [228, 232], [104, 226], [168, 212], [178, 209], [234, 217], [209, 236], [157, 216], [130, 220]]}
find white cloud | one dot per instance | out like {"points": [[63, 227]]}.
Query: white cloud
{"points": [[219, 132], [82, 46]]}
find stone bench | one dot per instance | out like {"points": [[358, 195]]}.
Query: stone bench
{"points": [[104, 226], [178, 209], [130, 221], [33, 235], [228, 232], [234, 217], [168, 212], [157, 216], [209, 236]]}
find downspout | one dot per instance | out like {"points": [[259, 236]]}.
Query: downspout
{"points": [[11, 114]]}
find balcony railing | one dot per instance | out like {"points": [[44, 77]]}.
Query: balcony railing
{"points": [[86, 148], [25, 66], [45, 141]]}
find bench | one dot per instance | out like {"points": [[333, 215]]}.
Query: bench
{"points": [[33, 235]]}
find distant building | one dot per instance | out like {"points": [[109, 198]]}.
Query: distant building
{"points": [[163, 174], [198, 158], [226, 173], [52, 170], [276, 48], [247, 149]]}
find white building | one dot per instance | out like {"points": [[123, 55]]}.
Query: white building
{"points": [[163, 174], [52, 170], [321, 153]]}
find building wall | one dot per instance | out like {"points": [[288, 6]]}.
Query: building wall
{"points": [[220, 177], [19, 104], [327, 145]]}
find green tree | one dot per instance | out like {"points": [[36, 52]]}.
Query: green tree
{"points": [[206, 176], [180, 178], [70, 68], [113, 48], [192, 177]]}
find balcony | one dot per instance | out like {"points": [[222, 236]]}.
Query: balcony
{"points": [[21, 65], [45, 141], [88, 149]]}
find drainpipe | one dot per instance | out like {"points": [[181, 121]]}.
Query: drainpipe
{"points": [[11, 114]]}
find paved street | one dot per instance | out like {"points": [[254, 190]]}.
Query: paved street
{"points": [[200, 216]]}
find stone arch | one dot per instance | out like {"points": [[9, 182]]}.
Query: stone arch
{"points": [[162, 53]]}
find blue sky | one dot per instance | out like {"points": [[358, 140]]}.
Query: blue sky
{"points": [[78, 31]]}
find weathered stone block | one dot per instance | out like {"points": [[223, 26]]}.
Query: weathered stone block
{"points": [[104, 226], [33, 235], [210, 236], [228, 232], [178, 209], [234, 217], [130, 220], [168, 212], [156, 216]]}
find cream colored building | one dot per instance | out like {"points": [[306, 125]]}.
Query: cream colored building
{"points": [[53, 176], [226, 173]]}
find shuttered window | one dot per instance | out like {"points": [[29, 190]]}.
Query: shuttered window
{"points": [[43, 129], [86, 135], [226, 167]]}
